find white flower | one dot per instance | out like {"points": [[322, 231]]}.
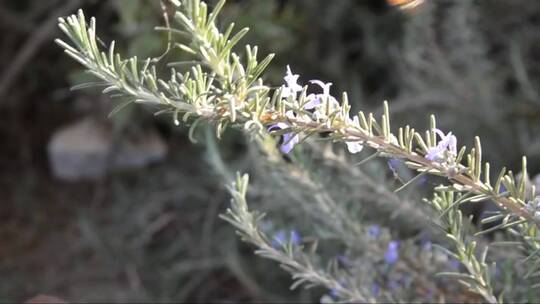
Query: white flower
{"points": [[534, 207], [354, 146], [292, 87], [394, 140], [447, 144], [316, 100], [290, 139], [324, 86]]}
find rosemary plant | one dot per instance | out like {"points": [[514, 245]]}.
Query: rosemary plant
{"points": [[222, 88]]}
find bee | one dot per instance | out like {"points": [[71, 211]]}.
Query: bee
{"points": [[405, 4]]}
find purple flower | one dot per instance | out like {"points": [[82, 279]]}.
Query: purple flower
{"points": [[454, 264], [315, 100], [394, 285], [280, 238], [290, 139], [427, 245], [296, 239], [425, 241], [344, 260], [292, 87], [334, 292], [394, 164], [446, 144], [392, 253], [375, 289], [374, 231], [534, 207]]}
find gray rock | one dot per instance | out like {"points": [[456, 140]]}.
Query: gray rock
{"points": [[84, 150]]}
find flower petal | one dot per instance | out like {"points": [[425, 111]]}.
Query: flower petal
{"points": [[392, 253], [279, 125], [434, 153], [356, 121], [292, 86], [289, 141], [452, 145], [354, 146], [313, 102], [296, 239], [439, 132], [290, 114], [279, 239], [324, 86]]}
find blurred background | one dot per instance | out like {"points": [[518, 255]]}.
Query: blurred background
{"points": [[126, 209]]}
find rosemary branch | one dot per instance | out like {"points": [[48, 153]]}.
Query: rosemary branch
{"points": [[222, 90]]}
